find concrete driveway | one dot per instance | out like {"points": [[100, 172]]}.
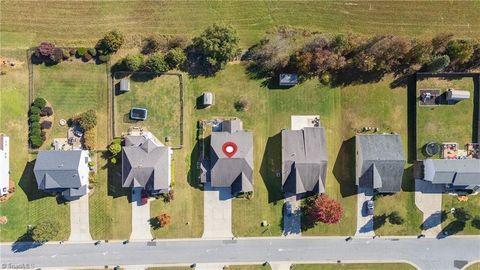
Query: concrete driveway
{"points": [[140, 217], [364, 221], [292, 223], [428, 199], [217, 212], [79, 220]]}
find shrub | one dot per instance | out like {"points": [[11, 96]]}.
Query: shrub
{"points": [[438, 63], [35, 125], [459, 51], [45, 231], [439, 42], [156, 63], [39, 102], [325, 210], [241, 105], [92, 51], [170, 196], [46, 125], [164, 220], [113, 160], [43, 135], [87, 120], [104, 58], [461, 214], [111, 42], [325, 78], [66, 54], [177, 42], [57, 55], [420, 53], [36, 140], [114, 149], [217, 45], [87, 57], [34, 110], [395, 218], [132, 62], [34, 118], [81, 52], [153, 44], [175, 57], [46, 111], [73, 52], [35, 130], [45, 49], [90, 139]]}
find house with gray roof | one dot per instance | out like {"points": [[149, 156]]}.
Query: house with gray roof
{"points": [[64, 172], [146, 163], [380, 162], [455, 174], [231, 157], [304, 161]]}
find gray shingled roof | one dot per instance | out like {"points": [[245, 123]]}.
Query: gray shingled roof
{"points": [[145, 163], [304, 160], [235, 172], [380, 162], [59, 171], [458, 172]]}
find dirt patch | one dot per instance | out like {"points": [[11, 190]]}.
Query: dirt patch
{"points": [[12, 63]]}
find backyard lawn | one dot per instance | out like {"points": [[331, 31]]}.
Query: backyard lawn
{"points": [[445, 123], [28, 206], [472, 206], [354, 266]]}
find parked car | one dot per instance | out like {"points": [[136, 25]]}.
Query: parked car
{"points": [[288, 208], [370, 207]]}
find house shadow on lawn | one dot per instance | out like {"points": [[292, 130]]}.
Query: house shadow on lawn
{"points": [[344, 168], [29, 185], [114, 183], [24, 243], [194, 173], [408, 180], [271, 165]]}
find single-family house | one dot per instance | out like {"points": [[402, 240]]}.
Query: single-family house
{"points": [[4, 164], [380, 162], [146, 164], [304, 161], [455, 174], [231, 157], [64, 172]]}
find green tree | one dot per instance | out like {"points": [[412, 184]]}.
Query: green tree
{"points": [[39, 102], [217, 45], [420, 53], [132, 62], [114, 149], [461, 214], [175, 57], [438, 63], [459, 51], [157, 63], [45, 231], [111, 42], [87, 120]]}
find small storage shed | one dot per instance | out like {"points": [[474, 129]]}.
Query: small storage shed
{"points": [[288, 79], [457, 95], [207, 99], [124, 85]]}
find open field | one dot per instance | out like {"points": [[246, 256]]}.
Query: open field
{"points": [[70, 23], [472, 206], [445, 123], [72, 88], [28, 205], [354, 266]]}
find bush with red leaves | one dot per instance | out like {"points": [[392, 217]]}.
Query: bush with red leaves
{"points": [[45, 125], [325, 210], [45, 49], [46, 111]]}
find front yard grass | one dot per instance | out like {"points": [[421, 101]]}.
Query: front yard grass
{"points": [[472, 206], [28, 206], [445, 123], [354, 266], [475, 266]]}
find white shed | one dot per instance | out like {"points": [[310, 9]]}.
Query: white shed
{"points": [[207, 99], [456, 95], [288, 79], [124, 85]]}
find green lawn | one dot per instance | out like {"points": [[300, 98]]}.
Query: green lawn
{"points": [[354, 266], [83, 24], [248, 267], [445, 123], [28, 205], [472, 206], [475, 266], [72, 88]]}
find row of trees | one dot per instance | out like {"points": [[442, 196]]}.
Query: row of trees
{"points": [[37, 134]]}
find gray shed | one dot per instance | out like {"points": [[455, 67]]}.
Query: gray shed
{"points": [[207, 99], [457, 95], [124, 85]]}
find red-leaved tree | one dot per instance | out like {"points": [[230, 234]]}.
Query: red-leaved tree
{"points": [[45, 49], [325, 210]]}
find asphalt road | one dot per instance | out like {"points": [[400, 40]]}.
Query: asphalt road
{"points": [[425, 253]]}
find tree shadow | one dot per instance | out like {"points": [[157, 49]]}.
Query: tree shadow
{"points": [[452, 228], [196, 64], [351, 76], [367, 227], [193, 176], [379, 221], [434, 219], [476, 109], [114, 181], [412, 118], [408, 180], [29, 185], [144, 76], [154, 223], [271, 166], [306, 222], [24, 243], [344, 168]]}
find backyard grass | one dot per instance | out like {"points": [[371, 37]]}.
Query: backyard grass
{"points": [[72, 88], [475, 266], [28, 206], [84, 24], [445, 123], [472, 206], [249, 267], [354, 266]]}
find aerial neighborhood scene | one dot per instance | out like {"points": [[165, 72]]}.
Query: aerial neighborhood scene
{"points": [[241, 135]]}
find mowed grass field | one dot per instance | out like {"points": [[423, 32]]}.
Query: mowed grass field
{"points": [[472, 206], [445, 123], [354, 266], [28, 206], [72, 23]]}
